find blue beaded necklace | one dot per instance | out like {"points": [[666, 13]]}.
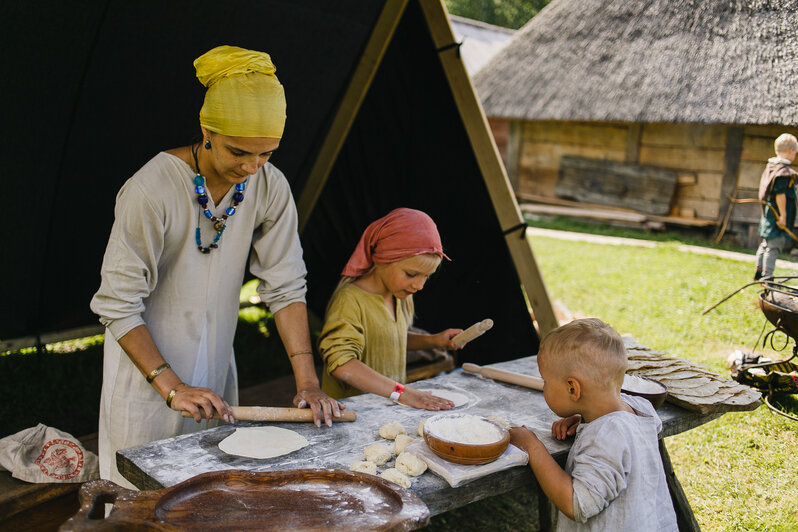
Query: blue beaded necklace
{"points": [[219, 224]]}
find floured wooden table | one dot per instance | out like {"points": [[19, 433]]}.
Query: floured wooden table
{"points": [[167, 462]]}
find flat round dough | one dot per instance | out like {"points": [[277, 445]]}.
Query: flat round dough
{"points": [[377, 453], [262, 442], [390, 431], [400, 443], [410, 464], [396, 476], [364, 466], [420, 428], [458, 399]]}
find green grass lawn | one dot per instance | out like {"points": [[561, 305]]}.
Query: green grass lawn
{"points": [[739, 472]]}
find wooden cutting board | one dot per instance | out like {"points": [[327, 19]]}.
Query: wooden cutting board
{"points": [[300, 499]]}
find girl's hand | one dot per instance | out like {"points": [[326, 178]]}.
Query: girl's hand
{"points": [[523, 438], [562, 428], [201, 403], [425, 400], [443, 340]]}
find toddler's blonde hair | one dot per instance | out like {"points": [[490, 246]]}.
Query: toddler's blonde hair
{"points": [[784, 142], [587, 348]]}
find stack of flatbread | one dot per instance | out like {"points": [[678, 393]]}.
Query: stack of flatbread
{"points": [[691, 386]]}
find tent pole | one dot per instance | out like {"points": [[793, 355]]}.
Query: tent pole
{"points": [[355, 93], [487, 154]]}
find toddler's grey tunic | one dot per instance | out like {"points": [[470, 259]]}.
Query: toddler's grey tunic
{"points": [[153, 274], [619, 482]]}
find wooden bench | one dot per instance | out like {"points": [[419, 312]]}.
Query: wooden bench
{"points": [[646, 189]]}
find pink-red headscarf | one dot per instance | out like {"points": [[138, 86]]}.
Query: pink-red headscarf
{"points": [[400, 234]]}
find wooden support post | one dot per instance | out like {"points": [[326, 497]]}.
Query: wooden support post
{"points": [[513, 163], [633, 143], [731, 170], [489, 161], [350, 104], [684, 514]]}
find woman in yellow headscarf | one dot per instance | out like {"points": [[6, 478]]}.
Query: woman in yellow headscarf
{"points": [[185, 226]]}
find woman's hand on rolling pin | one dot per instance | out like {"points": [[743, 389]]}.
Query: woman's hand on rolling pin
{"points": [[443, 340], [200, 403], [562, 428], [425, 400], [323, 406]]}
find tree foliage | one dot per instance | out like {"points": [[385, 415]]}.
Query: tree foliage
{"points": [[507, 13]]}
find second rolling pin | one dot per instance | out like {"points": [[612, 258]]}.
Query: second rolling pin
{"points": [[528, 381], [273, 413], [478, 329]]}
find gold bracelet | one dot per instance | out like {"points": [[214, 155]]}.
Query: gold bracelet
{"points": [[170, 397], [292, 355], [157, 371]]}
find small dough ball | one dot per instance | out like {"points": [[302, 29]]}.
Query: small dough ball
{"points": [[501, 421], [364, 467], [400, 443], [410, 464], [377, 453], [390, 431], [421, 427], [396, 476]]}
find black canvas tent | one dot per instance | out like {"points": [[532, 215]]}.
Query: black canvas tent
{"points": [[381, 114]]}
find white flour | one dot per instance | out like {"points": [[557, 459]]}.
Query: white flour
{"points": [[463, 429]]}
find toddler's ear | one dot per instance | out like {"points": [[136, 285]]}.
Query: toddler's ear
{"points": [[574, 388]]}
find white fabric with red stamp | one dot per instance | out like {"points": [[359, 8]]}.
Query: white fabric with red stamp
{"points": [[46, 454]]}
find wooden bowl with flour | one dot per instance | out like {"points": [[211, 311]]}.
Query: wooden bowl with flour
{"points": [[465, 439], [650, 389]]}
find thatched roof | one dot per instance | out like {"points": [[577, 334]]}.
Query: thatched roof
{"points": [[700, 61], [480, 41]]}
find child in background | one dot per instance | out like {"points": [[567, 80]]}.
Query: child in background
{"points": [[613, 478], [365, 339], [777, 188]]}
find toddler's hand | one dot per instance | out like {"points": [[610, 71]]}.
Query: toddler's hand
{"points": [[523, 438], [562, 428]]}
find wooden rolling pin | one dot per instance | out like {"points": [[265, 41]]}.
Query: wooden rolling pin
{"points": [[476, 330], [528, 381], [273, 413]]}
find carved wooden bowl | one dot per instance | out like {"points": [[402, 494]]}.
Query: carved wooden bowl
{"points": [[654, 391], [465, 453]]}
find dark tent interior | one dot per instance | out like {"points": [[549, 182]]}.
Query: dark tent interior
{"points": [[95, 89]]}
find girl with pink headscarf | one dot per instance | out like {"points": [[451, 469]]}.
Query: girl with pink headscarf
{"points": [[365, 338]]}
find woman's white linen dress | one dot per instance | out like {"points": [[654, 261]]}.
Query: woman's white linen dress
{"points": [[153, 274]]}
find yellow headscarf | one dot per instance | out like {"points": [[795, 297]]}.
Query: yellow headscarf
{"points": [[244, 97]]}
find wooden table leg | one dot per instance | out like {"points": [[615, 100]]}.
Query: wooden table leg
{"points": [[684, 514]]}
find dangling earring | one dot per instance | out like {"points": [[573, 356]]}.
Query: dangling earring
{"points": [[207, 144]]}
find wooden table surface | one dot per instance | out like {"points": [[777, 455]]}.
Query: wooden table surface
{"points": [[168, 462]]}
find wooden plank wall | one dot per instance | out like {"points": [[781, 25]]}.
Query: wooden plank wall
{"points": [[544, 143], [696, 151]]}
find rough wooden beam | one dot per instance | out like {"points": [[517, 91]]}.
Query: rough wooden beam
{"points": [[489, 161], [633, 143], [731, 168], [350, 104], [513, 162]]}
